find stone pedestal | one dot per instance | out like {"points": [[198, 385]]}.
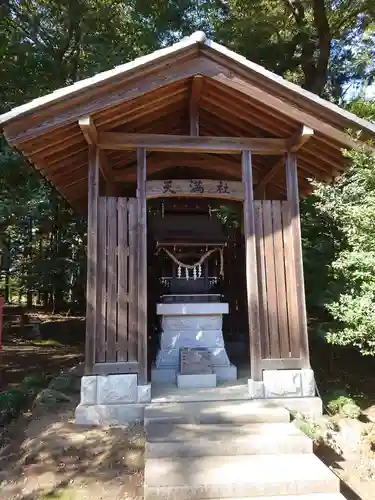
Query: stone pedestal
{"points": [[283, 384], [191, 325], [111, 400]]}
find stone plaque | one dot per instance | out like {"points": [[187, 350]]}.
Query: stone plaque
{"points": [[195, 360]]}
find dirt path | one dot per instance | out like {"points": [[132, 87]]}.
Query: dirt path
{"points": [[61, 346], [51, 457]]}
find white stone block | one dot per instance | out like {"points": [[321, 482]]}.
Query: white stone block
{"points": [[144, 393], [308, 383], [225, 373], [88, 389], [172, 339], [121, 388], [256, 389], [109, 414], [196, 381], [178, 323], [282, 383], [192, 309]]}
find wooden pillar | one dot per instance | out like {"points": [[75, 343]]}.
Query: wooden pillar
{"points": [[92, 257], [251, 268], [293, 198], [142, 265]]}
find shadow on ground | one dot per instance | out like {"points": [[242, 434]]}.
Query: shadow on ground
{"points": [[54, 458]]}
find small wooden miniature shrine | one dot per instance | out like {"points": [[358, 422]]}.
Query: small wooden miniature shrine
{"points": [[191, 247]]}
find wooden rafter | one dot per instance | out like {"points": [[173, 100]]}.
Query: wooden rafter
{"points": [[195, 95], [300, 138], [88, 128], [294, 144], [175, 143]]}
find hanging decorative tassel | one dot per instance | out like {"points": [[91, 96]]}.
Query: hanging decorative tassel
{"points": [[195, 273], [187, 273], [179, 272], [199, 270]]}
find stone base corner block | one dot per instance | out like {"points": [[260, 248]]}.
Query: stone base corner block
{"points": [[308, 383], [289, 383], [144, 393], [109, 414], [256, 389], [112, 400], [117, 389], [88, 389]]}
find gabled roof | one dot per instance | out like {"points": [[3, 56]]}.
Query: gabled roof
{"points": [[151, 94]]}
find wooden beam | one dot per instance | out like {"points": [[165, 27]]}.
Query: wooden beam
{"points": [[118, 367], [251, 268], [88, 128], [195, 95], [295, 142], [107, 172], [90, 132], [92, 258], [142, 265], [231, 190], [185, 143], [268, 177], [300, 138], [293, 198]]}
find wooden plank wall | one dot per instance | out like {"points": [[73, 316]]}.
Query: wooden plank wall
{"points": [[117, 286], [281, 320]]}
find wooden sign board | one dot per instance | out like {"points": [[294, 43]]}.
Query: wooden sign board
{"points": [[231, 190]]}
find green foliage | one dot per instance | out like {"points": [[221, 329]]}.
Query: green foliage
{"points": [[344, 406], [66, 383], [310, 428], [11, 402], [15, 399], [320, 45], [349, 205], [324, 46]]}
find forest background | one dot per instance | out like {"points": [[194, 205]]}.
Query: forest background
{"points": [[326, 46]]}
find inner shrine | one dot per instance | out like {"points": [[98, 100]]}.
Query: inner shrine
{"points": [[190, 242]]}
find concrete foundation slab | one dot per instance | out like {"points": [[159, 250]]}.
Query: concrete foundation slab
{"points": [[237, 476], [192, 440], [309, 407], [216, 412]]}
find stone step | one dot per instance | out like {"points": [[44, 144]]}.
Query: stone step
{"points": [[216, 412], [313, 496], [237, 477], [197, 440]]}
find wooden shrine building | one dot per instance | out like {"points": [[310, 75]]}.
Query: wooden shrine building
{"points": [[190, 127]]}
